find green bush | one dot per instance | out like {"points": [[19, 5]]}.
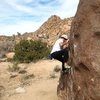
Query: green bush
{"points": [[27, 51]]}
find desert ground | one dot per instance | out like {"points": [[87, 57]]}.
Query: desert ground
{"points": [[34, 81]]}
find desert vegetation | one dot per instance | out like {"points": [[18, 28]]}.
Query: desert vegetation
{"points": [[29, 50]]}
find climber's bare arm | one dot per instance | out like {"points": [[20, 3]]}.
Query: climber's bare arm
{"points": [[64, 44]]}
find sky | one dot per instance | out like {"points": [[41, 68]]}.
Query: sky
{"points": [[28, 15]]}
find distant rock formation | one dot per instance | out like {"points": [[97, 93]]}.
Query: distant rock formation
{"points": [[53, 28], [83, 82], [48, 32]]}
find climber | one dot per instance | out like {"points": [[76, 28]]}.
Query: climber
{"points": [[60, 51]]}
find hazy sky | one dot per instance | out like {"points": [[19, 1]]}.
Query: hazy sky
{"points": [[28, 15]]}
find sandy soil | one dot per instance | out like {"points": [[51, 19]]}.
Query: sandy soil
{"points": [[42, 86], [39, 90]]}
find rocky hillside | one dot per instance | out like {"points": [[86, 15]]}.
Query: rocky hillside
{"points": [[48, 32], [53, 28], [83, 81]]}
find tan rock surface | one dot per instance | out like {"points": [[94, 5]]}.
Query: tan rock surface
{"points": [[84, 81]]}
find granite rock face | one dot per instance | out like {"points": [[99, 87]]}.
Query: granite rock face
{"points": [[54, 27], [83, 82]]}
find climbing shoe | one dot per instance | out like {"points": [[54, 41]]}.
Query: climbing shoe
{"points": [[66, 69]]}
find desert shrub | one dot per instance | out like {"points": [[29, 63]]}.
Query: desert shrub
{"points": [[27, 51], [14, 67], [6, 46]]}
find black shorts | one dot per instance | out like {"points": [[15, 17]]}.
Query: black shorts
{"points": [[61, 55]]}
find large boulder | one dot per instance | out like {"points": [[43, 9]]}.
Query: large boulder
{"points": [[83, 82]]}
